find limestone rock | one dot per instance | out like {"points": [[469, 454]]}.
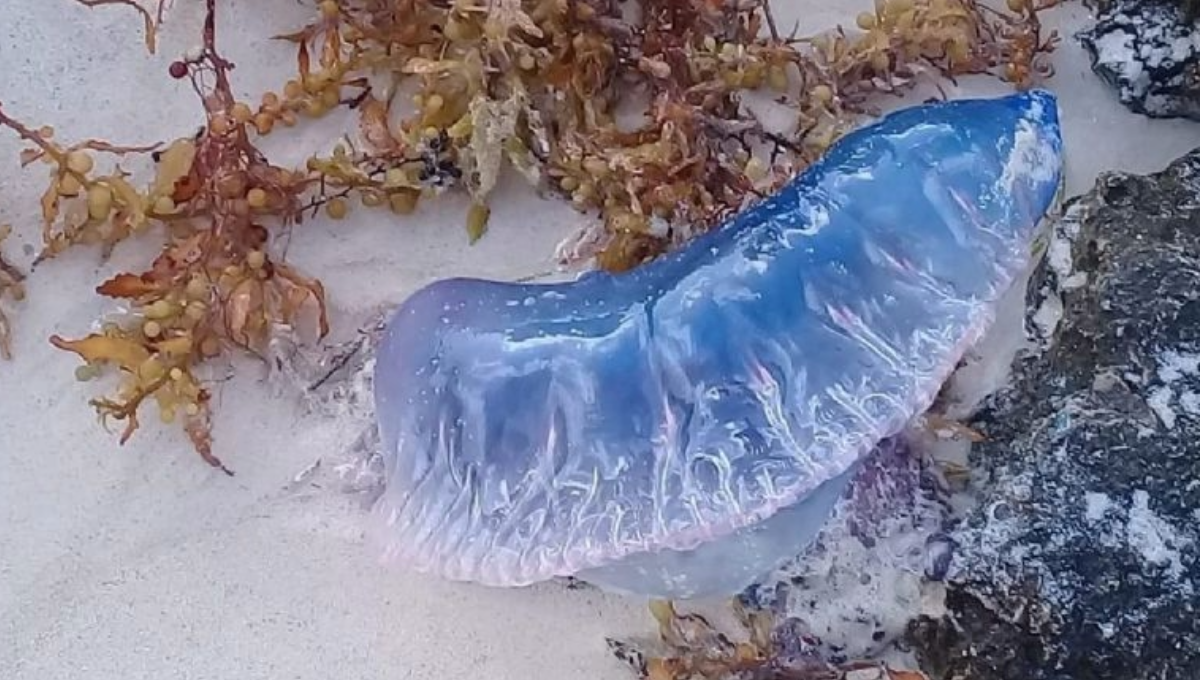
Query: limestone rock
{"points": [[1082, 559], [1149, 51]]}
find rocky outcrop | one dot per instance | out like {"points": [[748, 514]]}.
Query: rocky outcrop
{"points": [[1149, 51], [1082, 559]]}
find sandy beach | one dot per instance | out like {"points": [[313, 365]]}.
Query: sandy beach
{"points": [[142, 562]]}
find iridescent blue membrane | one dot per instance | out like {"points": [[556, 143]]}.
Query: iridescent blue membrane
{"points": [[682, 429]]}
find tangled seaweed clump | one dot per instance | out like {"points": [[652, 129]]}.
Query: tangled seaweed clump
{"points": [[695, 649], [541, 84], [535, 85]]}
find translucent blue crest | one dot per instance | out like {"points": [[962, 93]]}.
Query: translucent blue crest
{"points": [[683, 428]]}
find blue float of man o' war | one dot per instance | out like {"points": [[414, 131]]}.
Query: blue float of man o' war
{"points": [[682, 429]]}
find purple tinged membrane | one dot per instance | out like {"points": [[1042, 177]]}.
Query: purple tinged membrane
{"points": [[684, 428]]}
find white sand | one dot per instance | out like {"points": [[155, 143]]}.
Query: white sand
{"points": [[141, 562]]}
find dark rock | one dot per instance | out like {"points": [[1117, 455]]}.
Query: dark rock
{"points": [[1149, 50], [1082, 558]]}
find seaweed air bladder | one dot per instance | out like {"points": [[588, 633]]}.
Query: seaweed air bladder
{"points": [[681, 429]]}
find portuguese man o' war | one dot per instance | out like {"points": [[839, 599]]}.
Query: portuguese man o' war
{"points": [[682, 429]]}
